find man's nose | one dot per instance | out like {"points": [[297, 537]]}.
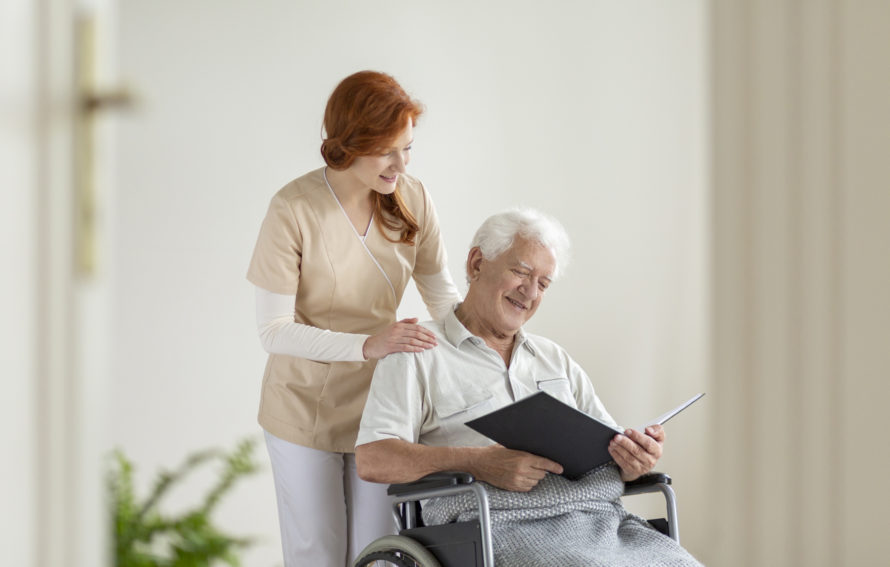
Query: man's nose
{"points": [[529, 289]]}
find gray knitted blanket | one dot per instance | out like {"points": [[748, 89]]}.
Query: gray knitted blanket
{"points": [[568, 523]]}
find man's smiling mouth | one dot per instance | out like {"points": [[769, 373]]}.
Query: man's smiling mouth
{"points": [[517, 304]]}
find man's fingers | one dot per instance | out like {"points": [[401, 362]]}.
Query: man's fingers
{"points": [[620, 454], [627, 442], [627, 461], [518, 470], [635, 453], [656, 432], [628, 451], [632, 456], [640, 442], [547, 465]]}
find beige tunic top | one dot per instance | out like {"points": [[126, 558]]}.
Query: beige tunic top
{"points": [[307, 246]]}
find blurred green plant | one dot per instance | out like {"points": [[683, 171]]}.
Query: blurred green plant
{"points": [[146, 537]]}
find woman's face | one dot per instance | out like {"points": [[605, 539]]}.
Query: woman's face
{"points": [[380, 172]]}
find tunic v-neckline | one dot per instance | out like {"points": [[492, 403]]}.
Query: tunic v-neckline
{"points": [[367, 230], [361, 239]]}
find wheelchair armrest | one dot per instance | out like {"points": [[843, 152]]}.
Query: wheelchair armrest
{"points": [[430, 481], [647, 483], [658, 482]]}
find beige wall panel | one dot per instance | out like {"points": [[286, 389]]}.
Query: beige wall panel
{"points": [[865, 282], [801, 277]]}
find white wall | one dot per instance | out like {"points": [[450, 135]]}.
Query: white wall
{"points": [[592, 111]]}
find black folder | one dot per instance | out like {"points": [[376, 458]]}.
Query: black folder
{"points": [[542, 425]]}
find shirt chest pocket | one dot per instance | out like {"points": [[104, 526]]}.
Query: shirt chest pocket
{"points": [[559, 388], [457, 410]]}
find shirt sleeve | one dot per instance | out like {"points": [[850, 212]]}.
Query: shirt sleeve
{"points": [[275, 264], [395, 405], [585, 395], [438, 292], [279, 334]]}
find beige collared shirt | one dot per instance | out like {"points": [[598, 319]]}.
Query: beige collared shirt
{"points": [[343, 282], [427, 397]]}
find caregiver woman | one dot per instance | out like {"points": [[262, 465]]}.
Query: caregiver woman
{"points": [[334, 254]]}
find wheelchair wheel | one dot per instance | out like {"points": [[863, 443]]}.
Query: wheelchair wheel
{"points": [[400, 551]]}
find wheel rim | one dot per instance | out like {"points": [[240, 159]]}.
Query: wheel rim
{"points": [[400, 551]]}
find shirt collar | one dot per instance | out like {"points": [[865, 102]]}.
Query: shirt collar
{"points": [[456, 333]]}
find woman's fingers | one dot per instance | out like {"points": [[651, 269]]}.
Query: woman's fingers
{"points": [[420, 339], [402, 336], [414, 334]]}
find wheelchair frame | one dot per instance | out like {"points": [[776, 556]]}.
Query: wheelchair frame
{"points": [[452, 545]]}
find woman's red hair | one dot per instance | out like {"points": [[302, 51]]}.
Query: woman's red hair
{"points": [[365, 113]]}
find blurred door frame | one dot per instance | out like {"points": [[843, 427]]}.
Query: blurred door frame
{"points": [[53, 408]]}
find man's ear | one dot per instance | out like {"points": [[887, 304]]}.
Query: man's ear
{"points": [[474, 263]]}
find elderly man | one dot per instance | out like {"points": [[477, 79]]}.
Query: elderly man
{"points": [[413, 423]]}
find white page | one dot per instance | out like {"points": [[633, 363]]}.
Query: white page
{"points": [[660, 420]]}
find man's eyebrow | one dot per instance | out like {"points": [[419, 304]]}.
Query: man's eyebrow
{"points": [[525, 266]]}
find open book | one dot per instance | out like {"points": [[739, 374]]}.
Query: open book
{"points": [[542, 425]]}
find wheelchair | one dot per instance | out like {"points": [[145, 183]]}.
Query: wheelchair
{"points": [[469, 544]]}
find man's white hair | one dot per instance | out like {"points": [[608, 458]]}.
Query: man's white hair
{"points": [[497, 233]]}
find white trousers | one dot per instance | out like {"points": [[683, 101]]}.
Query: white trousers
{"points": [[326, 512]]}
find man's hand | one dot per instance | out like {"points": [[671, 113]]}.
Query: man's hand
{"points": [[390, 461], [636, 453], [511, 470]]}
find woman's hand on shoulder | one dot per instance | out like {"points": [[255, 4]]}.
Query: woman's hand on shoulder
{"points": [[402, 336]]}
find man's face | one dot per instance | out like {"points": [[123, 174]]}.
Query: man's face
{"points": [[511, 286]]}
